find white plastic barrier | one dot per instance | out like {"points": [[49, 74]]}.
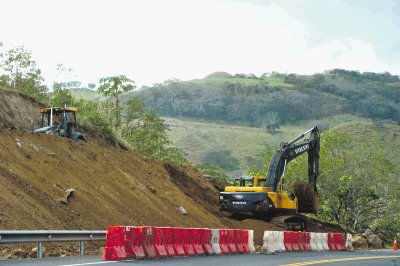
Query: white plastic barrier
{"points": [[273, 242], [251, 241], [349, 245], [314, 239], [320, 241], [215, 241], [268, 243], [324, 242], [281, 241]]}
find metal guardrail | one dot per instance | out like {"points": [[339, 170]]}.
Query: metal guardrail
{"points": [[39, 236]]}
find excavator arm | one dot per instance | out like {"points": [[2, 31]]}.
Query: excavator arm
{"points": [[291, 150]]}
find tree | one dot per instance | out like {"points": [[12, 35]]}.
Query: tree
{"points": [[21, 72], [271, 121], [91, 86], [147, 133], [115, 86], [61, 96]]}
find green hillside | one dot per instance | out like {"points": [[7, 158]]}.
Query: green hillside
{"points": [[276, 99], [87, 94], [201, 140]]}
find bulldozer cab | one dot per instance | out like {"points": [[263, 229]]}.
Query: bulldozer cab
{"points": [[59, 121]]}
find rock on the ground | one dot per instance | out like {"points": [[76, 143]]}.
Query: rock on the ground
{"points": [[20, 253], [69, 193], [33, 253], [182, 211], [374, 241], [359, 242]]}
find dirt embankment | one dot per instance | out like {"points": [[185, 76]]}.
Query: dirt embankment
{"points": [[18, 111], [112, 186]]}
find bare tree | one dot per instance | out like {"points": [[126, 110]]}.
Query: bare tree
{"points": [[271, 121]]}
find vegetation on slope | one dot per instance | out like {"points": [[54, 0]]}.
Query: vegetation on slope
{"points": [[255, 101], [359, 180], [142, 130]]}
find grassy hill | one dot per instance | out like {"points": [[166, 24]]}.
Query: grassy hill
{"points": [[87, 94], [249, 100], [200, 139], [221, 119]]}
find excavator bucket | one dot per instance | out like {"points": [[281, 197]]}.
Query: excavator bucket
{"points": [[306, 199]]}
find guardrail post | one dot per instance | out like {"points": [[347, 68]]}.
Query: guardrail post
{"points": [[81, 248], [39, 250]]}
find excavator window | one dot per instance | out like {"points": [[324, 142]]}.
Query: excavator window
{"points": [[261, 183]]}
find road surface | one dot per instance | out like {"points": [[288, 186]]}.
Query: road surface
{"points": [[378, 257]]}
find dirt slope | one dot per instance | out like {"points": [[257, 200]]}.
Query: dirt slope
{"points": [[17, 111], [112, 186]]}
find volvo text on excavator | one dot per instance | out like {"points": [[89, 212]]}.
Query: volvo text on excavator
{"points": [[261, 195]]}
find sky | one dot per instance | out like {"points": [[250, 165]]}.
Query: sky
{"points": [[151, 41]]}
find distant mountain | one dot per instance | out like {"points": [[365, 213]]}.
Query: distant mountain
{"points": [[245, 99]]}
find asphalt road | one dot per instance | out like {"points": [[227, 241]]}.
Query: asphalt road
{"points": [[379, 257]]}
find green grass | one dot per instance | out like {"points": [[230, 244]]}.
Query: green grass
{"points": [[86, 94], [270, 81], [247, 144], [387, 135]]}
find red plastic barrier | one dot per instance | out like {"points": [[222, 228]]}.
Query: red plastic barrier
{"points": [[178, 241], [306, 241], [245, 241], [300, 241], [196, 240], [205, 240], [148, 243], [287, 241], [133, 242], [339, 241], [138, 239], [331, 241], [169, 241], [295, 241], [238, 240], [223, 241], [188, 242], [159, 242], [114, 249], [231, 241]]}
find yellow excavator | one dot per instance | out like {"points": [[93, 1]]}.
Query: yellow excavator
{"points": [[264, 196]]}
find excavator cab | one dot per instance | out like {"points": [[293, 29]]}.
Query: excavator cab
{"points": [[59, 121], [244, 181]]}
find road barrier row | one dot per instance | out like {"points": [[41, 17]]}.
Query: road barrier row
{"points": [[279, 241], [140, 242]]}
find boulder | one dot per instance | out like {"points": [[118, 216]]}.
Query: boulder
{"points": [[359, 242], [374, 241]]}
